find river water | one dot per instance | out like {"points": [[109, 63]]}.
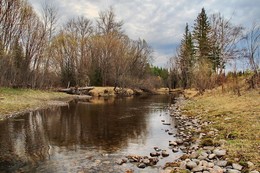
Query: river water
{"points": [[87, 137]]}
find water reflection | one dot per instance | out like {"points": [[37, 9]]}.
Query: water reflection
{"points": [[103, 126]]}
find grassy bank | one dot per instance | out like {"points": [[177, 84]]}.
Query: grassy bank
{"points": [[19, 100], [237, 120]]}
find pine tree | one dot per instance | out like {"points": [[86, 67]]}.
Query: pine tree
{"points": [[201, 36], [186, 57]]}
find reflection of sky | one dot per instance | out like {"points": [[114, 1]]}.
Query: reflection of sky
{"points": [[156, 137]]}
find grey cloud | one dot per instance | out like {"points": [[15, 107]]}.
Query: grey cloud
{"points": [[160, 22]]}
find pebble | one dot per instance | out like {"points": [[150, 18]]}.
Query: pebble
{"points": [[220, 152], [237, 166], [146, 161], [141, 165], [172, 143], [183, 165], [212, 156], [179, 141], [170, 133], [233, 171], [194, 155], [155, 154], [175, 150], [250, 164], [203, 163], [191, 165], [211, 165], [165, 154], [203, 156], [216, 169], [221, 163], [195, 158], [197, 169]]}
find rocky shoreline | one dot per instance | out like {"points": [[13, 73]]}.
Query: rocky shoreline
{"points": [[200, 153]]}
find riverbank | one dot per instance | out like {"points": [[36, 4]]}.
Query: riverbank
{"points": [[220, 124], [16, 101]]}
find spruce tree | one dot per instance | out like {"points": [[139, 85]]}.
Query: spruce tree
{"points": [[186, 58], [201, 34]]}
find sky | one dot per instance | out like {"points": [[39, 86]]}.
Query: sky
{"points": [[160, 22]]}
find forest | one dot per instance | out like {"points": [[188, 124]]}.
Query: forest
{"points": [[38, 52], [205, 52]]}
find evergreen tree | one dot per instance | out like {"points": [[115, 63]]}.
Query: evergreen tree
{"points": [[201, 33], [186, 58]]}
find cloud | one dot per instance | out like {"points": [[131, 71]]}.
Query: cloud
{"points": [[160, 23]]}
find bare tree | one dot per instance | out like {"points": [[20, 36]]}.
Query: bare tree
{"points": [[225, 38], [107, 23], [252, 52]]}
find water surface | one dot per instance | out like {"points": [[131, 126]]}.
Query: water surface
{"points": [[87, 137]]}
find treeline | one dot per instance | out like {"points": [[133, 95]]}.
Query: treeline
{"points": [[204, 52], [35, 51]]}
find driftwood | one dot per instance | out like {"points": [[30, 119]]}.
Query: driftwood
{"points": [[76, 90]]}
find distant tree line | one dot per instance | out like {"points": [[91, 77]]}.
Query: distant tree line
{"points": [[35, 51], [204, 52]]}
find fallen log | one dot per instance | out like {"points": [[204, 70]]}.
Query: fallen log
{"points": [[76, 90]]}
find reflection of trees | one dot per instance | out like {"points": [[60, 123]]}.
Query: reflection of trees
{"points": [[108, 127]]}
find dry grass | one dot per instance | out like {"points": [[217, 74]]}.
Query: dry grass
{"points": [[236, 118], [108, 91], [17, 100]]}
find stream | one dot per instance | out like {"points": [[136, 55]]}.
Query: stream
{"points": [[88, 136]]}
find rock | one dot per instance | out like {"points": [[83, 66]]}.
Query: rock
{"points": [[191, 165], [179, 141], [233, 171], [194, 155], [184, 157], [175, 150], [211, 165], [170, 133], [165, 154], [216, 169], [237, 166], [197, 169], [210, 133], [186, 144], [157, 149], [134, 158], [172, 143], [203, 163], [253, 172], [155, 154], [153, 161], [203, 156], [250, 165], [146, 162], [141, 165], [219, 152], [167, 124], [212, 156], [221, 163], [121, 161], [183, 165]]}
